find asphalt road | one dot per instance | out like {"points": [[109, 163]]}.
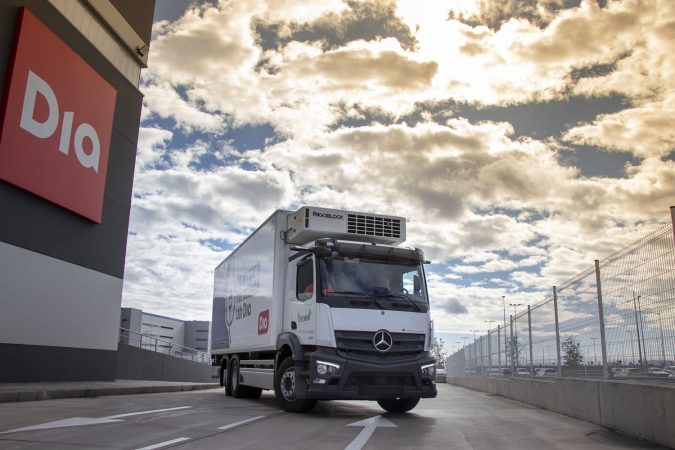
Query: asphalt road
{"points": [[457, 419]]}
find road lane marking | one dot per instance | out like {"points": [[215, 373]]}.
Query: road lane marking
{"points": [[237, 424], [164, 444], [81, 421], [147, 412], [369, 426]]}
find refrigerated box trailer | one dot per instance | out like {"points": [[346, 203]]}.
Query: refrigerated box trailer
{"points": [[324, 304]]}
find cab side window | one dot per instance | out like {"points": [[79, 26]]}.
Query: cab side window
{"points": [[305, 280]]}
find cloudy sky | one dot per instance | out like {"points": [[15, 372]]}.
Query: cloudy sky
{"points": [[522, 139]]}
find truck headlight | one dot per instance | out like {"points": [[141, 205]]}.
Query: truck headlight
{"points": [[324, 368], [428, 370]]}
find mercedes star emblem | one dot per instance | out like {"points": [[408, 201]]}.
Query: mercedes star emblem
{"points": [[382, 341]]}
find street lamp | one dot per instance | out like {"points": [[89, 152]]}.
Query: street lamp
{"points": [[504, 306], [663, 347], [632, 345], [595, 353], [515, 326]]}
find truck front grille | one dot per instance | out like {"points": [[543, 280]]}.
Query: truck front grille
{"points": [[373, 225], [360, 343]]}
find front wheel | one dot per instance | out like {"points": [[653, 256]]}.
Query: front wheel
{"points": [[285, 389], [398, 405]]}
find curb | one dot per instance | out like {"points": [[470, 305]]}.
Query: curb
{"points": [[43, 394]]}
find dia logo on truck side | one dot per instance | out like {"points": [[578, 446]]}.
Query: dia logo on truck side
{"points": [[263, 322]]}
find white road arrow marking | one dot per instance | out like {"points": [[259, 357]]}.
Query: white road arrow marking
{"points": [[369, 426], [80, 421]]}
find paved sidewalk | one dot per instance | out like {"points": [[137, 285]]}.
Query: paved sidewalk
{"points": [[20, 392]]}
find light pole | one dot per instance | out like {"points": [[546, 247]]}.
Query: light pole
{"points": [[663, 348], [595, 353], [637, 326], [515, 330], [504, 306], [632, 345], [515, 325]]}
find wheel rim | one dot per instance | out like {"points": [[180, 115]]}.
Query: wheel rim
{"points": [[234, 378], [287, 384]]}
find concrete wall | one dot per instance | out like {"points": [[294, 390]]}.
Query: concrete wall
{"points": [[636, 408], [134, 363]]}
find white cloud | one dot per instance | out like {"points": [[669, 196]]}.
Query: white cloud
{"points": [[471, 191]]}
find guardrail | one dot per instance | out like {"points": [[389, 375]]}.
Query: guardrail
{"points": [[614, 320], [147, 342]]}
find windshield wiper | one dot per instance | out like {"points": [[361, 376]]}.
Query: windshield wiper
{"points": [[360, 294], [404, 296]]}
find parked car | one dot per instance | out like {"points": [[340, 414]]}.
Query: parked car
{"points": [[658, 372], [629, 372], [523, 372], [441, 375], [545, 372]]}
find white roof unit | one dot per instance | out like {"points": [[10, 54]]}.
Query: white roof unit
{"points": [[309, 223]]}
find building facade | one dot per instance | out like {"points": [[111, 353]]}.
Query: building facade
{"points": [[69, 123], [163, 334]]}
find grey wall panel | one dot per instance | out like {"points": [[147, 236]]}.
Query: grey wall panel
{"points": [[121, 162], [30, 363], [50, 302], [38, 225], [139, 364]]}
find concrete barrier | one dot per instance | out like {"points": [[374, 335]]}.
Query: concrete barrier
{"points": [[637, 408], [135, 363]]}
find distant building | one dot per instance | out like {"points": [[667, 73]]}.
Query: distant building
{"points": [[161, 333]]}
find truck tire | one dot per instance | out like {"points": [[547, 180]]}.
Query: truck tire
{"points": [[284, 389], [236, 389], [226, 379], [398, 405]]}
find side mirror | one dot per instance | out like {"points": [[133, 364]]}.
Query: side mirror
{"points": [[417, 285]]}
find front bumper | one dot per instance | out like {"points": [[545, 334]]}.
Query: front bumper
{"points": [[367, 378]]}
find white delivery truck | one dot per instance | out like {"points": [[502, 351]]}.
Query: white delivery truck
{"points": [[321, 304]]}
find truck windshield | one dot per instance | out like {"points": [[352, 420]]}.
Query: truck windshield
{"points": [[358, 283]]}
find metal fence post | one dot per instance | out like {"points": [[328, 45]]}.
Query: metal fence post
{"points": [[490, 350], [482, 359], [529, 332], [511, 349], [499, 349], [557, 330], [601, 316]]}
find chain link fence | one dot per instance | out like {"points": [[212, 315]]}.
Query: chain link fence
{"points": [[616, 320]]}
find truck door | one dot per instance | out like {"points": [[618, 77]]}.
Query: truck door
{"points": [[301, 300]]}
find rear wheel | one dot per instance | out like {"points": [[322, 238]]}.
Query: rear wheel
{"points": [[224, 377], [285, 389], [398, 405], [236, 389]]}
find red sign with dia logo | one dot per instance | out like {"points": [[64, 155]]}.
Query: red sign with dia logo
{"points": [[263, 322], [57, 121]]}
